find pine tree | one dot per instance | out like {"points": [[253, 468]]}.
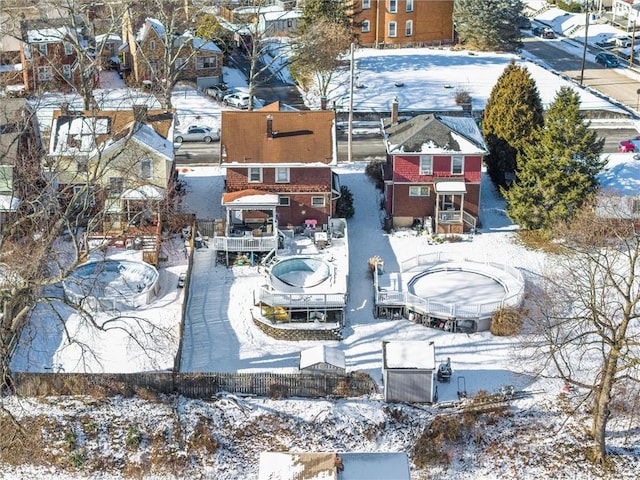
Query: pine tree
{"points": [[559, 169], [488, 24], [513, 112], [341, 13]]}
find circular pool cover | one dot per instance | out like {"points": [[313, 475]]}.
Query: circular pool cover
{"points": [[301, 272], [113, 284]]}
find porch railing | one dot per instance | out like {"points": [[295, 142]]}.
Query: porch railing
{"points": [[244, 244], [302, 300]]}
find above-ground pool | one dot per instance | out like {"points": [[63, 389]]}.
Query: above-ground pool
{"points": [[112, 284], [301, 272]]}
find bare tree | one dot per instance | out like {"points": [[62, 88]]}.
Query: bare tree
{"points": [[318, 53], [589, 308]]}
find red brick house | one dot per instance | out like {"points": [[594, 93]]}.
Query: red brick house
{"points": [[50, 57], [278, 171], [433, 172]]}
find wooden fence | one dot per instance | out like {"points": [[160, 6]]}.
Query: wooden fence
{"points": [[195, 385]]}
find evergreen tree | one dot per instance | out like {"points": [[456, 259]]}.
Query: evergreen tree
{"points": [[559, 168], [342, 13], [488, 24], [344, 204], [513, 112]]}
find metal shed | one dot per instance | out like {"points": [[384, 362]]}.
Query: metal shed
{"points": [[408, 371]]}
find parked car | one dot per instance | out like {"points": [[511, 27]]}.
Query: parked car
{"points": [[182, 278], [524, 23], [627, 146], [237, 99], [197, 133], [217, 91], [544, 32], [608, 60], [623, 42]]}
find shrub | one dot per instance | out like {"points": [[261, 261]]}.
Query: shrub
{"points": [[507, 321], [77, 458], [134, 437], [70, 438], [373, 170], [344, 204]]}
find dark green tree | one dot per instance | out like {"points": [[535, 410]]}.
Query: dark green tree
{"points": [[208, 27], [559, 169], [488, 24], [344, 204], [341, 13], [513, 112]]}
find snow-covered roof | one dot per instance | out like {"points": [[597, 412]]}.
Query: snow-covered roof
{"points": [[151, 23], [143, 192], [323, 466], [250, 197], [9, 203], [205, 45], [146, 135], [432, 134], [322, 354], [77, 135], [281, 15], [49, 35], [108, 38], [409, 354]]}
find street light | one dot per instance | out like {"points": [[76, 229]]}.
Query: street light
{"points": [[638, 99]]}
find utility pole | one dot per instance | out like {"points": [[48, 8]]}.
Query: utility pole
{"points": [[350, 130], [586, 36], [633, 44]]}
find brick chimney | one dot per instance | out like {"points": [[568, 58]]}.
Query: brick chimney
{"points": [[269, 126], [140, 113], [394, 111]]}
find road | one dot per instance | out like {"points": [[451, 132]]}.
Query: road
{"points": [[610, 82]]}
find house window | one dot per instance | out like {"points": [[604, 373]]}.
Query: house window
{"points": [[366, 26], [146, 168], [82, 195], [419, 191], [289, 23], [284, 201], [180, 63], [426, 165], [255, 175], [45, 74], [393, 28], [447, 202], [366, 4], [152, 45], [43, 48], [82, 165], [68, 49], [393, 6], [317, 201], [409, 5], [66, 71], [282, 175], [206, 62], [116, 185], [408, 28], [457, 164]]}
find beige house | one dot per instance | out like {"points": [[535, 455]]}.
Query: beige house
{"points": [[120, 163], [192, 58]]}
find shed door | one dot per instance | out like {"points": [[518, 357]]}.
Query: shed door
{"points": [[409, 386]]}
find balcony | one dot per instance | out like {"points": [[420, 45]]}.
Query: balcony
{"points": [[245, 243]]}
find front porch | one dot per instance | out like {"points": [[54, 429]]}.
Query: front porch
{"points": [[450, 215]]}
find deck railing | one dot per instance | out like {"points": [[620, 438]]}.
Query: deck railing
{"points": [[302, 300], [244, 244]]}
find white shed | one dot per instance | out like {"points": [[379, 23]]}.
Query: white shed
{"points": [[409, 371], [322, 359]]}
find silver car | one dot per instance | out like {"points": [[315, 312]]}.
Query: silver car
{"points": [[237, 99], [197, 133]]}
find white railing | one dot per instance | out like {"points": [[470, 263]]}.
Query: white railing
{"points": [[513, 282], [302, 300], [245, 244]]}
